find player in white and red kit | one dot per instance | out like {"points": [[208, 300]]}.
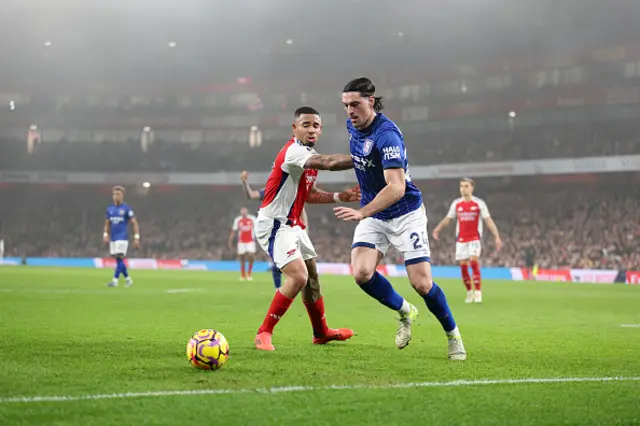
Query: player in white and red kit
{"points": [[470, 212], [244, 225], [280, 231]]}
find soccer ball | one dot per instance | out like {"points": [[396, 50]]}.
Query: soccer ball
{"points": [[208, 350]]}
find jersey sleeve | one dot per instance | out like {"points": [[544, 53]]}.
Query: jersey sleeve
{"points": [[130, 213], [484, 210], [297, 155], [106, 213], [261, 192], [234, 227], [392, 151], [452, 210]]}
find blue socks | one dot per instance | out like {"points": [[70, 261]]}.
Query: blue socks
{"points": [[277, 276], [117, 272], [437, 304], [380, 289], [121, 268]]}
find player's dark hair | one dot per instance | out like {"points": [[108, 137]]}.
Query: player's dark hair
{"points": [[305, 110], [469, 180], [118, 188], [366, 88]]}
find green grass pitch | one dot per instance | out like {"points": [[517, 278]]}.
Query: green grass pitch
{"points": [[63, 333]]}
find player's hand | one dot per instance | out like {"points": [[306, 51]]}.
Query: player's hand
{"points": [[136, 243], [347, 214], [436, 234], [350, 195], [244, 175], [498, 243]]}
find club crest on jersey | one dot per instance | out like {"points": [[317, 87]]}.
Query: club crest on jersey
{"points": [[121, 211], [366, 148]]}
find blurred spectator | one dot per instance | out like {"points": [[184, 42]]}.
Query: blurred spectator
{"points": [[580, 226]]}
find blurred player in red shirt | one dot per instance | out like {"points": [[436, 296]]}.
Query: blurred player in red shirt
{"points": [[244, 225], [469, 210]]}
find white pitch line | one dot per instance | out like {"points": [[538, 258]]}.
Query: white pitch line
{"points": [[290, 389], [630, 325]]}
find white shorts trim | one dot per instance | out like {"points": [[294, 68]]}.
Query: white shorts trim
{"points": [[119, 247], [247, 248], [465, 251], [408, 234], [283, 243]]}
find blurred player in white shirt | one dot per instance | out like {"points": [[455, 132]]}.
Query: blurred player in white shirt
{"points": [[246, 248], [469, 211]]}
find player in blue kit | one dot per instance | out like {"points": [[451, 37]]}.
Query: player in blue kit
{"points": [[116, 234], [391, 213]]}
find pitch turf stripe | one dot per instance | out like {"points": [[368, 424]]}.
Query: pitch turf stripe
{"points": [[290, 389]]}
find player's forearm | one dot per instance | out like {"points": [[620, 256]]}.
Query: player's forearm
{"points": [[443, 223], [105, 230], [319, 196], [248, 192], [136, 230], [333, 162], [493, 228], [387, 197], [342, 162]]}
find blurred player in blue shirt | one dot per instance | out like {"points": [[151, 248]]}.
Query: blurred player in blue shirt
{"points": [[116, 234], [391, 213]]}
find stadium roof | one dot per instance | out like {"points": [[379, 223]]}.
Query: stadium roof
{"points": [[161, 41]]}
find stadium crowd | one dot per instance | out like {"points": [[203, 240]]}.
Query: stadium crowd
{"points": [[426, 148], [567, 225]]}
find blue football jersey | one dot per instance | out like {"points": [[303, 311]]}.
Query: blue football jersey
{"points": [[119, 217], [374, 149]]}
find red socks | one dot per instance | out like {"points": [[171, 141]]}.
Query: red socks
{"points": [[279, 306], [250, 268], [316, 315], [242, 268], [465, 276], [475, 268]]}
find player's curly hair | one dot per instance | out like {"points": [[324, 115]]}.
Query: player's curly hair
{"points": [[366, 88], [118, 188]]}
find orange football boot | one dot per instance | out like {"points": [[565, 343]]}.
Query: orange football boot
{"points": [[263, 342], [339, 334]]}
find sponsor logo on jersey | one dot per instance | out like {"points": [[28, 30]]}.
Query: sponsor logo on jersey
{"points": [[361, 163], [391, 153], [116, 219]]}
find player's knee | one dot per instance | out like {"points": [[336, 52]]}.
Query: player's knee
{"points": [[297, 278], [362, 274], [420, 277]]}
